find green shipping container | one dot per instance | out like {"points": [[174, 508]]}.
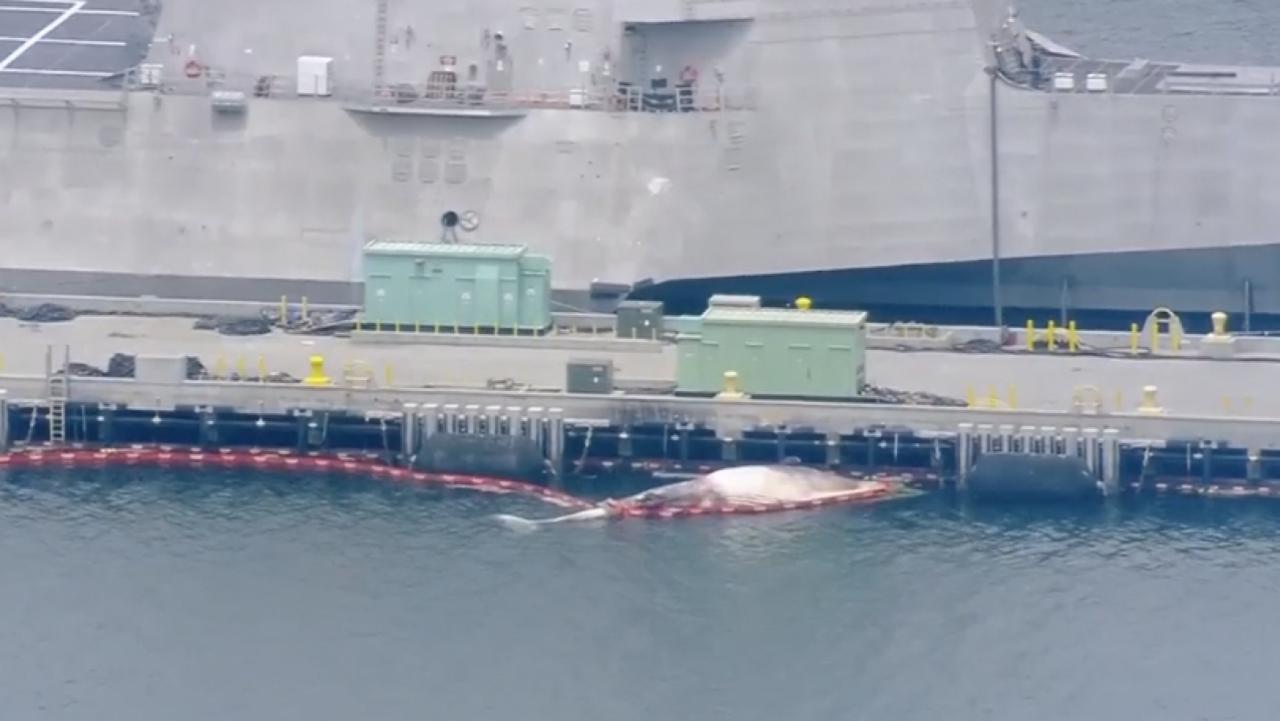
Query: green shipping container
{"points": [[776, 352], [491, 287]]}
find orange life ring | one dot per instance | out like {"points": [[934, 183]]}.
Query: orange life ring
{"points": [[193, 69], [689, 75]]}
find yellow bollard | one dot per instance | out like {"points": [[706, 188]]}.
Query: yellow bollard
{"points": [[1155, 337], [317, 377], [241, 367], [1119, 401], [262, 368], [386, 371], [1133, 338], [417, 326], [993, 398], [970, 397], [1013, 397], [1219, 323], [1073, 337], [1176, 336], [1150, 405], [1031, 335], [729, 389], [220, 367], [1051, 336]]}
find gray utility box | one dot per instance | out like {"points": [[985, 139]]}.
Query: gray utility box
{"points": [[590, 376], [160, 369], [640, 319]]}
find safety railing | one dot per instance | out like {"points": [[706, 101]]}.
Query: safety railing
{"points": [[1096, 77], [616, 97]]}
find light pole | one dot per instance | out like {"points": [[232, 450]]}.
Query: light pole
{"points": [[996, 300]]}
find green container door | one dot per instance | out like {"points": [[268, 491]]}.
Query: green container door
{"points": [[421, 309], [488, 296], [380, 298], [465, 288], [510, 301]]}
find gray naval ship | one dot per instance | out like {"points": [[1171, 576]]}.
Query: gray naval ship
{"points": [[847, 150]]}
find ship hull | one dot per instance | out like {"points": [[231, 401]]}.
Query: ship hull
{"points": [[1100, 289]]}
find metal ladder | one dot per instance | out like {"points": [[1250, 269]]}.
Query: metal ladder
{"points": [[57, 392], [380, 46]]}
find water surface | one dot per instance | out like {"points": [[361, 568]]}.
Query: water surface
{"points": [[145, 595]]}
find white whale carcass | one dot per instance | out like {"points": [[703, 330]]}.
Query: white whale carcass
{"points": [[744, 489]]}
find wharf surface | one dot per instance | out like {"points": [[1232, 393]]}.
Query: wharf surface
{"points": [[1195, 387], [437, 399]]}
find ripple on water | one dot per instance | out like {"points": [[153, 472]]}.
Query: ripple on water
{"points": [[149, 594]]}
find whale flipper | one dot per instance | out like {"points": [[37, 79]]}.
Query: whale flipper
{"points": [[525, 525], [517, 524]]}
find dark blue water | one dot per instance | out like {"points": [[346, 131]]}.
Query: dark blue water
{"points": [[151, 595]]}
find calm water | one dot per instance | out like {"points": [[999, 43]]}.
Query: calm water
{"points": [[1204, 31], [152, 595]]}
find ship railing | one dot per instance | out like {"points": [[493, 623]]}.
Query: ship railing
{"points": [[617, 97], [213, 79], [1091, 77]]}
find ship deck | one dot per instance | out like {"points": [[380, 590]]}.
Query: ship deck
{"points": [[71, 44]]}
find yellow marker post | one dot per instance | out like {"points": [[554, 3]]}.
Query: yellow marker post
{"points": [[1177, 337], [1133, 338], [1013, 397], [1155, 337], [1119, 401], [1031, 334], [1051, 336], [993, 398], [1073, 337], [262, 368], [220, 367], [317, 377], [970, 397], [389, 376], [241, 367]]}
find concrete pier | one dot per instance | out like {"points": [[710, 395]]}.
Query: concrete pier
{"points": [[410, 432]]}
